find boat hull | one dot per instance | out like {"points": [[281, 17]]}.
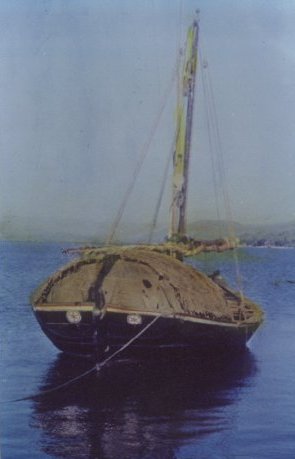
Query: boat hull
{"points": [[95, 335]]}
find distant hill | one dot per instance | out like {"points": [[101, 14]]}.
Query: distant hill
{"points": [[277, 234], [213, 229], [16, 228]]}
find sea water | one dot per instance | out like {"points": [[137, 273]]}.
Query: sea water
{"points": [[195, 407]]}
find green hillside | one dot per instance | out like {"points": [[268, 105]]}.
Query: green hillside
{"points": [[277, 234]]}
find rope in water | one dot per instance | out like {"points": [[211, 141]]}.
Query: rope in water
{"points": [[96, 367]]}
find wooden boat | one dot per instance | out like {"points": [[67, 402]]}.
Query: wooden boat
{"points": [[103, 299]]}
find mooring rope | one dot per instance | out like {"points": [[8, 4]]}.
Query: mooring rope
{"points": [[96, 367]]}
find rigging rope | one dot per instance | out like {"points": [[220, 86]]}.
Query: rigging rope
{"points": [[211, 147], [139, 164], [176, 75], [161, 194], [170, 152], [218, 161], [96, 367]]}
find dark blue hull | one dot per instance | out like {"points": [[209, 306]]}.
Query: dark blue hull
{"points": [[95, 338]]}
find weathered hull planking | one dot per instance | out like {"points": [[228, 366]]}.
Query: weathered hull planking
{"points": [[94, 335]]}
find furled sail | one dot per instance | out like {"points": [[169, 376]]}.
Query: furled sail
{"points": [[183, 139]]}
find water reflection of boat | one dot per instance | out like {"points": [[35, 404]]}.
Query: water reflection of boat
{"points": [[144, 410]]}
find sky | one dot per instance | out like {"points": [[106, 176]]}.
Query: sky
{"points": [[82, 84]]}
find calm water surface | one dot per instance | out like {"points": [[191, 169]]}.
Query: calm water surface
{"points": [[196, 407]]}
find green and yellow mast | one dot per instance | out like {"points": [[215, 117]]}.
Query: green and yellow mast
{"points": [[183, 136]]}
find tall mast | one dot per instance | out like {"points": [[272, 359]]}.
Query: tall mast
{"points": [[183, 136]]}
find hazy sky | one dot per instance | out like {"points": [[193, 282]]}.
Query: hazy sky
{"points": [[82, 83]]}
